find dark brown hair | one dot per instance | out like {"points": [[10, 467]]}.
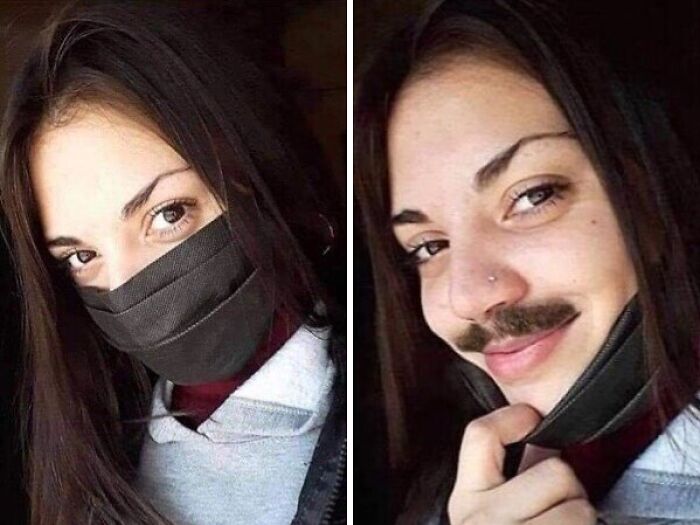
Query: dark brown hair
{"points": [[85, 404], [623, 124]]}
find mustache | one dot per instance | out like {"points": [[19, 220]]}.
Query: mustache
{"points": [[516, 321]]}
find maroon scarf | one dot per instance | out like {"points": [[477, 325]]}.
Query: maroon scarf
{"points": [[200, 401]]}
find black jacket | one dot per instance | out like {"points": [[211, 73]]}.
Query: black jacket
{"points": [[323, 499]]}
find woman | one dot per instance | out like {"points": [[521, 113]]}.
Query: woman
{"points": [[160, 216], [527, 202]]}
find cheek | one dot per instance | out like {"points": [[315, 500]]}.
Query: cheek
{"points": [[585, 257], [612, 250], [436, 308], [211, 209], [582, 259], [603, 257]]}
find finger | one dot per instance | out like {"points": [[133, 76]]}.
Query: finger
{"points": [[481, 455], [572, 512], [544, 485]]}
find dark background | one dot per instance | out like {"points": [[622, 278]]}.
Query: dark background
{"points": [[305, 37], [373, 22], [303, 40]]}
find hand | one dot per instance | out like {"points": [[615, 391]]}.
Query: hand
{"points": [[546, 493]]}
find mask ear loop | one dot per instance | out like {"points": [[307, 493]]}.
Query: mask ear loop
{"points": [[331, 234]]}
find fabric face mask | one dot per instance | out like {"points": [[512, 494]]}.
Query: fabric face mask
{"points": [[611, 391], [195, 315]]}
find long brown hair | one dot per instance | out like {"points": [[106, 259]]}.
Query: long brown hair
{"points": [[85, 404], [623, 125]]}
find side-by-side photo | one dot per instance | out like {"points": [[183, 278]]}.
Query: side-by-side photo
{"points": [[520, 183], [527, 299], [173, 189]]}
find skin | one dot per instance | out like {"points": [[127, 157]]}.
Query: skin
{"points": [[548, 493], [85, 171], [543, 226], [565, 247]]}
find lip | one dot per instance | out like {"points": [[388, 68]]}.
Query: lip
{"points": [[515, 358]]}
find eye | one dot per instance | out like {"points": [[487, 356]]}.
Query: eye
{"points": [[170, 218], [535, 199], [77, 260], [423, 252]]}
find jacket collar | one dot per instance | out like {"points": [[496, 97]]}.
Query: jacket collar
{"points": [[322, 500], [289, 395]]}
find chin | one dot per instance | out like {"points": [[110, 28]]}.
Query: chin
{"points": [[544, 389], [543, 396]]}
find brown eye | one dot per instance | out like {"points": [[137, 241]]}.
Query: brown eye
{"points": [[535, 199], [434, 247], [165, 218], [171, 218], [173, 213], [539, 195], [78, 259], [425, 251]]}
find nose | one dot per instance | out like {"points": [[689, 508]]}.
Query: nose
{"points": [[480, 284], [120, 264]]}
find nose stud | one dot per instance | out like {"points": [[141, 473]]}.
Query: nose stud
{"points": [[491, 278]]}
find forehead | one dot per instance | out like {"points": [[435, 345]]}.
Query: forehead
{"points": [[448, 124], [88, 168]]}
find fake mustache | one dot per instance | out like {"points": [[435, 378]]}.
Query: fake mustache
{"points": [[516, 321]]}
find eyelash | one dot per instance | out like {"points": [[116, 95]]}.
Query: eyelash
{"points": [[558, 189], [65, 265], [412, 258], [188, 204]]}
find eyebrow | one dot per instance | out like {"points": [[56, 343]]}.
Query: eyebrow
{"points": [[488, 173], [59, 242], [131, 207], [138, 200], [409, 217]]}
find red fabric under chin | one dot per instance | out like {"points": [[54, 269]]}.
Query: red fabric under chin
{"points": [[200, 401], [600, 463]]}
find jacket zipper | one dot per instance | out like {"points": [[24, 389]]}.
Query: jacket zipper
{"points": [[335, 492]]}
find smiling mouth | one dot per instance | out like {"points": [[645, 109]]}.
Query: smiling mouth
{"points": [[514, 358]]}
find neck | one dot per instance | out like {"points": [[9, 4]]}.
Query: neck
{"points": [[201, 400]]}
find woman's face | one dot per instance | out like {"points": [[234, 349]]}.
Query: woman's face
{"points": [[522, 264], [113, 196]]}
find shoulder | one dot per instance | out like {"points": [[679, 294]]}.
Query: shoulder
{"points": [[651, 494], [664, 481], [323, 496]]}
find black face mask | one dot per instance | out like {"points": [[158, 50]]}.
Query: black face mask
{"points": [[195, 315], [612, 390]]}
